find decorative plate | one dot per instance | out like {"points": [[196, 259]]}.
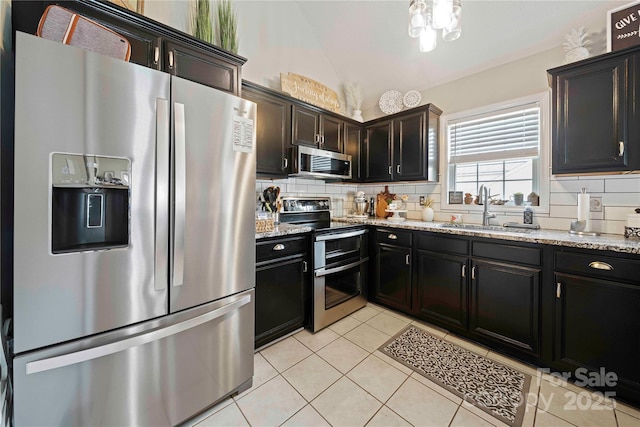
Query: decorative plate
{"points": [[391, 102], [412, 99]]}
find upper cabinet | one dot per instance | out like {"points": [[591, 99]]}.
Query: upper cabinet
{"points": [[273, 130], [153, 45], [402, 147], [596, 122], [316, 129]]}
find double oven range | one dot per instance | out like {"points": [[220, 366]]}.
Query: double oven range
{"points": [[340, 259]]}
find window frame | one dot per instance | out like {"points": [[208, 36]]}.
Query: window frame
{"points": [[541, 168]]}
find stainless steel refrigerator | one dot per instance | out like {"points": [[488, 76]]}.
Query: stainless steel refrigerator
{"points": [[134, 251]]}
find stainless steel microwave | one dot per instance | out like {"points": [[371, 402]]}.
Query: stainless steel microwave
{"points": [[314, 163]]}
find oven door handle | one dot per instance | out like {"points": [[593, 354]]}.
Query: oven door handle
{"points": [[324, 272], [337, 236]]}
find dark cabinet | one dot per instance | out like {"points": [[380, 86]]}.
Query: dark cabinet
{"points": [[153, 44], [273, 130], [441, 286], [392, 283], [353, 135], [597, 318], [504, 304], [282, 287], [316, 129], [403, 147], [595, 120]]}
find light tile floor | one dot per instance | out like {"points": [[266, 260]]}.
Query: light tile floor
{"points": [[337, 378]]}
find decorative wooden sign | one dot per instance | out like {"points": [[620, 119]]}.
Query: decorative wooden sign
{"points": [[623, 27], [307, 90]]}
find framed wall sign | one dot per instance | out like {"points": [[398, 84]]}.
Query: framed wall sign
{"points": [[623, 27], [455, 197]]}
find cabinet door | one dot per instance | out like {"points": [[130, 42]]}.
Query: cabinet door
{"points": [[505, 304], [441, 289], [353, 146], [409, 147], [273, 125], [591, 118], [597, 325], [194, 64], [378, 152], [331, 133], [393, 276], [306, 125], [280, 299]]}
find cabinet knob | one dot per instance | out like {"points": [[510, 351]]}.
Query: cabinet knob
{"points": [[599, 265], [621, 148], [278, 247], [392, 237]]}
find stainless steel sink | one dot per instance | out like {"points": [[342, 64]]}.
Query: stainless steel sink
{"points": [[485, 227]]}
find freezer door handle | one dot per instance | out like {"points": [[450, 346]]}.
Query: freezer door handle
{"points": [[135, 341], [162, 193], [179, 195]]}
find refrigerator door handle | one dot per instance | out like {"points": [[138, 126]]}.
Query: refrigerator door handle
{"points": [[162, 193], [179, 195], [135, 341]]}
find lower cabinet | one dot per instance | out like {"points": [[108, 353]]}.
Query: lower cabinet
{"points": [[504, 304], [597, 321], [392, 283], [282, 287]]}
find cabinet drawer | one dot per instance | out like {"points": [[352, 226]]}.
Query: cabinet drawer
{"points": [[595, 265], [435, 243], [508, 253], [280, 248], [393, 237]]}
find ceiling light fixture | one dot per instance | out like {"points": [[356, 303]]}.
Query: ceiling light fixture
{"points": [[428, 16]]}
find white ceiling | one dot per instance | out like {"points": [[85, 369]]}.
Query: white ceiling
{"points": [[367, 41]]}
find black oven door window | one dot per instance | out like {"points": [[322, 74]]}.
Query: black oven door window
{"points": [[341, 286], [342, 250]]}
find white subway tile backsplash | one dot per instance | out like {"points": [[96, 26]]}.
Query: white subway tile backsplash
{"points": [[563, 212], [576, 186], [617, 213], [570, 199], [621, 199], [623, 186]]}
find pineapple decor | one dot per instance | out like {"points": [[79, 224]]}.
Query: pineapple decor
{"points": [[575, 45]]}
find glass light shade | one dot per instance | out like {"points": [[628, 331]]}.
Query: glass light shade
{"points": [[442, 11], [428, 39], [417, 18], [454, 29]]}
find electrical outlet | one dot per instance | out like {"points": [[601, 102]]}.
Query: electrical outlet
{"points": [[595, 204], [421, 200]]}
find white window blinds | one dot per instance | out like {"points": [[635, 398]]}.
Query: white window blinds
{"points": [[499, 135]]}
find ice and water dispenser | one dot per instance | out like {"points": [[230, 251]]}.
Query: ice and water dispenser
{"points": [[89, 203]]}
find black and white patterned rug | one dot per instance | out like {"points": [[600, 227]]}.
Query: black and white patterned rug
{"points": [[495, 388]]}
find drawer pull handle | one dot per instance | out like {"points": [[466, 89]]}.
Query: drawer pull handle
{"points": [[473, 273], [621, 148], [390, 170], [392, 237], [558, 290], [305, 266], [599, 265], [464, 270], [285, 162], [171, 59], [156, 54], [278, 247], [398, 169], [407, 261]]}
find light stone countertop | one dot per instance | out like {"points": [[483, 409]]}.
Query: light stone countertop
{"points": [[284, 230], [605, 242]]}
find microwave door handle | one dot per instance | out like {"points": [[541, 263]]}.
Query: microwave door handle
{"points": [[340, 236], [92, 353], [322, 272], [163, 114], [179, 194]]}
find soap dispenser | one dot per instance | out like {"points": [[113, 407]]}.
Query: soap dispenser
{"points": [[528, 215]]}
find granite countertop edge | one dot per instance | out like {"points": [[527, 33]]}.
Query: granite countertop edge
{"points": [[606, 242], [284, 230]]}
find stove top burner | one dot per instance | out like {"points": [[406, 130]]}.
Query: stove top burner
{"points": [[312, 212]]}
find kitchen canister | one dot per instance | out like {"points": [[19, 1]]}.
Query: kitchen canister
{"points": [[632, 228]]}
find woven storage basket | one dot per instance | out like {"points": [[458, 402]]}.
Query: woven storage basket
{"points": [[264, 225]]}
